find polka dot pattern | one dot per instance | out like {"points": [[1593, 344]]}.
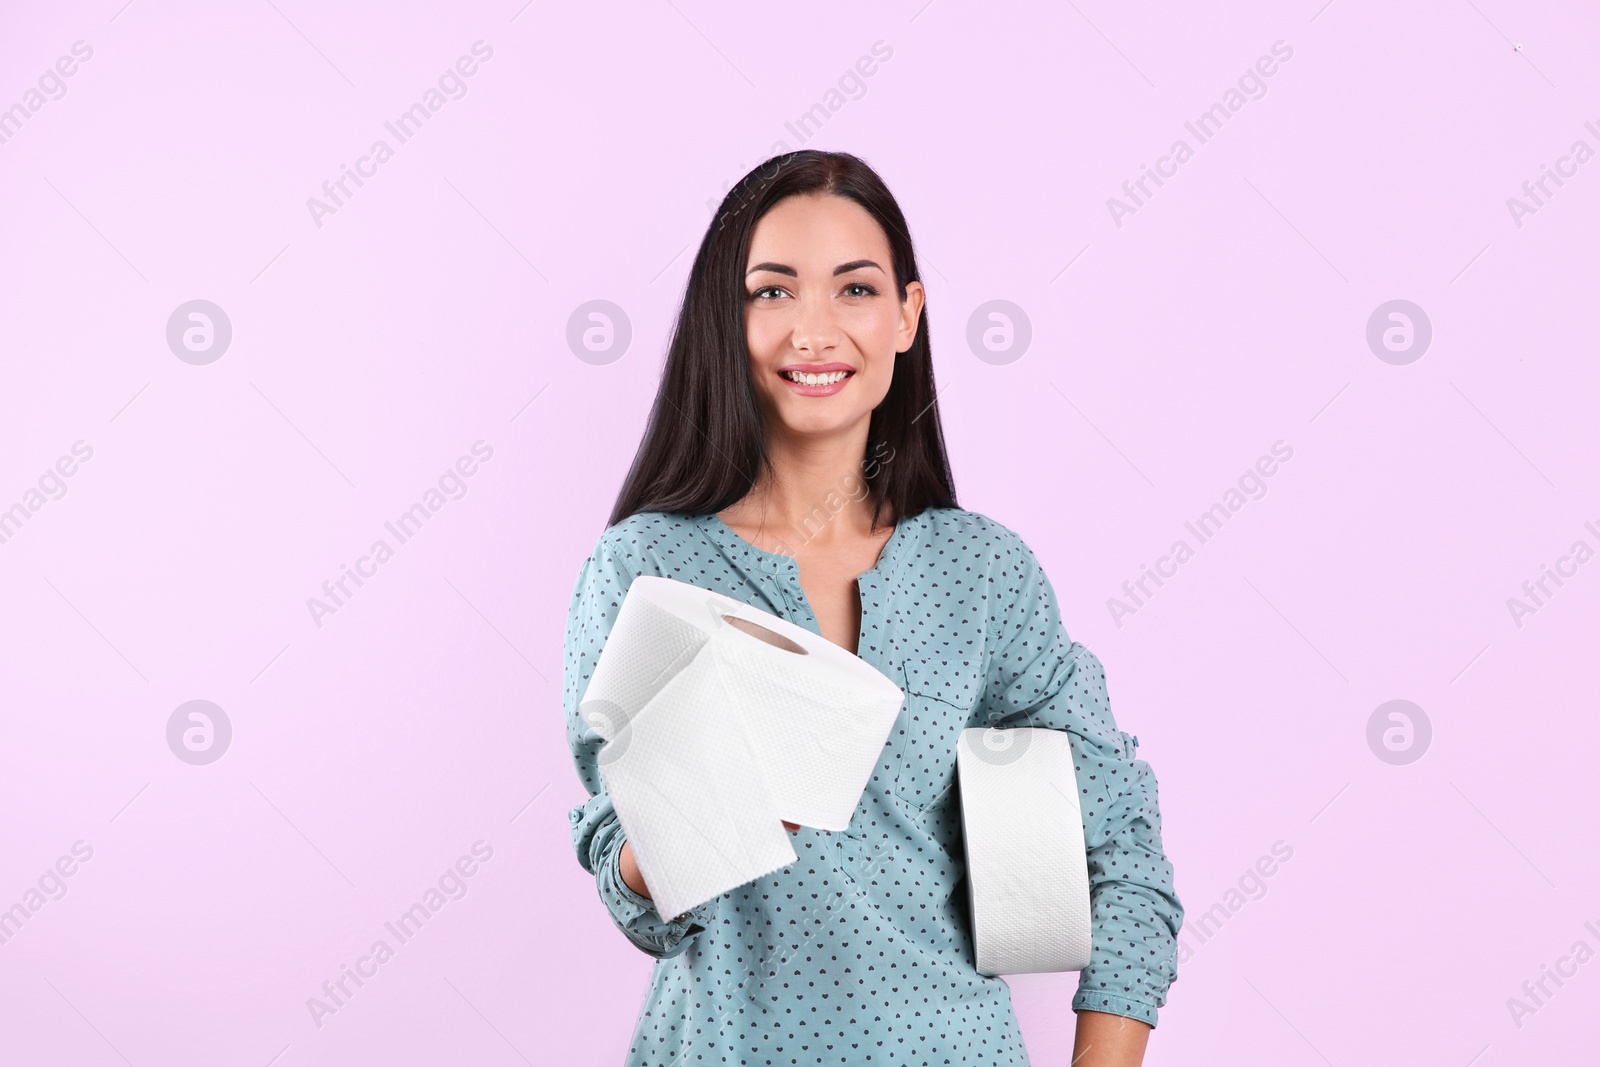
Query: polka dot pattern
{"points": [[860, 951]]}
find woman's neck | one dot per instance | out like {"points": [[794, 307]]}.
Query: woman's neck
{"points": [[813, 494]]}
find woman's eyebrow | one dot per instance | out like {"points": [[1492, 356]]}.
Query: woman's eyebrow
{"points": [[843, 268]]}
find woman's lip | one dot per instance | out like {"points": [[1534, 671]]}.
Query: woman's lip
{"points": [[819, 368], [816, 390]]}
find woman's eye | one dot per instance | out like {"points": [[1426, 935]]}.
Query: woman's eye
{"points": [[773, 292]]}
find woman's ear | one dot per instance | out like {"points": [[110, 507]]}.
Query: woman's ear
{"points": [[910, 314]]}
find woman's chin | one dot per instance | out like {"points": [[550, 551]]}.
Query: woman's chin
{"points": [[811, 421]]}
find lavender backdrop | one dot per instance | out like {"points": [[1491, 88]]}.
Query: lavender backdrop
{"points": [[1116, 359]]}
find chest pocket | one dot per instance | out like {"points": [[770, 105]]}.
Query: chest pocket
{"points": [[940, 696]]}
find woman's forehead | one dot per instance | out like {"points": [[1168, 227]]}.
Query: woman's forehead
{"points": [[817, 233]]}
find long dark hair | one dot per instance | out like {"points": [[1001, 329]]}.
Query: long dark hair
{"points": [[704, 446]]}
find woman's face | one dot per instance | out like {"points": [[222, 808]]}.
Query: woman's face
{"points": [[820, 300]]}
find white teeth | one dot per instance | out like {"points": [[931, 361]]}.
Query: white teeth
{"points": [[816, 379]]}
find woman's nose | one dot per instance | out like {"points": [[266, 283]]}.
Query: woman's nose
{"points": [[815, 327]]}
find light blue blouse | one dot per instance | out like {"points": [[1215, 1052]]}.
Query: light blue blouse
{"points": [[860, 951]]}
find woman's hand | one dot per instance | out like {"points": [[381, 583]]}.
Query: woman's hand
{"points": [[630, 871], [1106, 1040]]}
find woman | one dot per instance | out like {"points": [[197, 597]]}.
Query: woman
{"points": [[794, 460]]}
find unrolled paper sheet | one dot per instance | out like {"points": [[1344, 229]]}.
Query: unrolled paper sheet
{"points": [[722, 720], [1027, 871]]}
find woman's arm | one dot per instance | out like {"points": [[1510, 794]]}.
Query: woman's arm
{"points": [[1036, 675], [1105, 1040], [597, 836]]}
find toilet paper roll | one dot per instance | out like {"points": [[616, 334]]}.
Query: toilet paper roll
{"points": [[690, 796], [1027, 870], [768, 721]]}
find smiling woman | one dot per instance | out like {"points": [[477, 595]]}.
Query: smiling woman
{"points": [[843, 310], [801, 363]]}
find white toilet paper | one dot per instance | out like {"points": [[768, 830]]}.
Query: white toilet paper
{"points": [[690, 796], [722, 720], [1027, 871]]}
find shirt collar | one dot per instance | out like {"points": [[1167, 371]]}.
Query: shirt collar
{"points": [[907, 534]]}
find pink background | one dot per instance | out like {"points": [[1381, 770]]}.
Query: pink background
{"points": [[430, 311]]}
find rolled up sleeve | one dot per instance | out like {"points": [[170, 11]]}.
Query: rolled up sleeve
{"points": [[597, 835], [1036, 675]]}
